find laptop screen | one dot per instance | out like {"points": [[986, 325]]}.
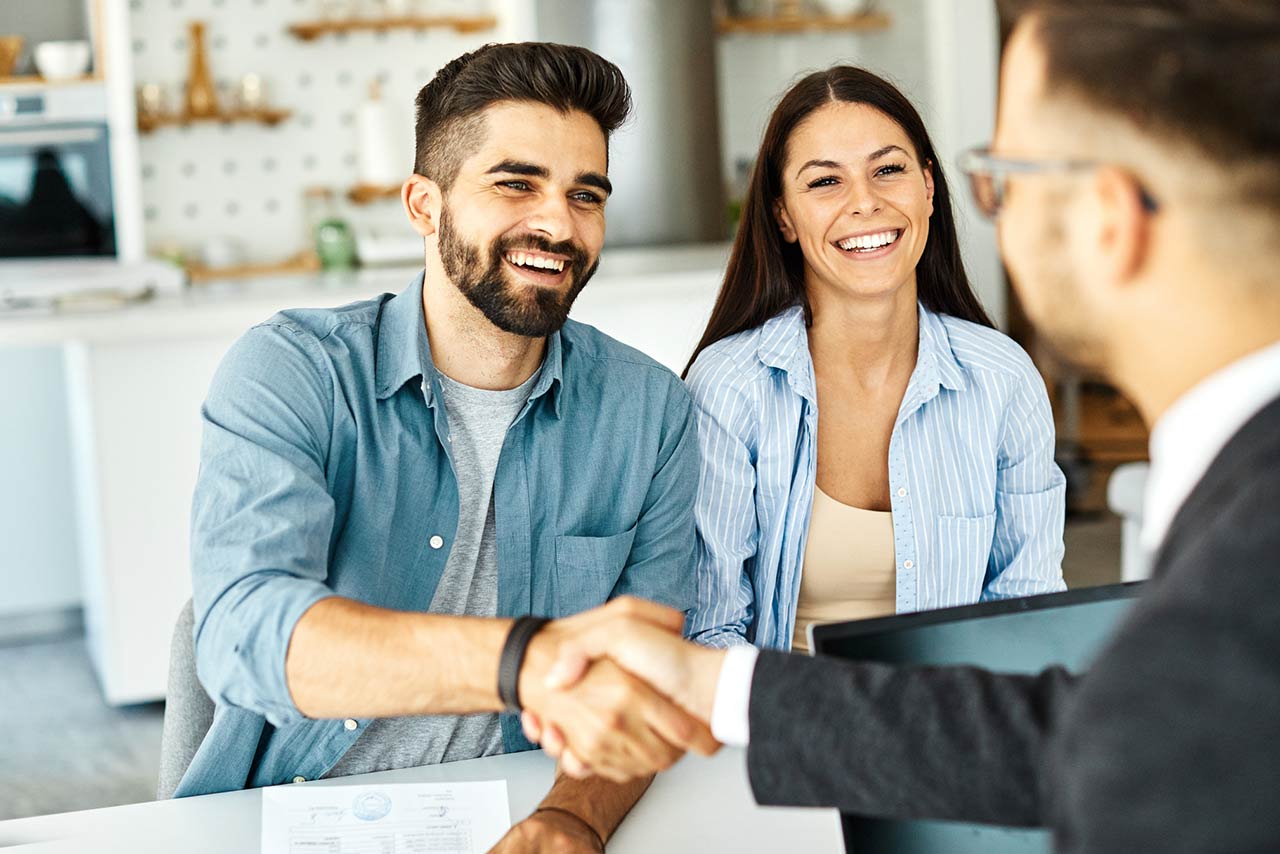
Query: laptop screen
{"points": [[1013, 636]]}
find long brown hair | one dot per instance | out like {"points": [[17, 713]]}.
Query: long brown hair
{"points": [[766, 274]]}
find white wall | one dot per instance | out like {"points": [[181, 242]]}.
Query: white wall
{"points": [[246, 182], [39, 560], [964, 45]]}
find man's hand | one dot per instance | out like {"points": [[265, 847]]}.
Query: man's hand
{"points": [[684, 672], [618, 726], [548, 833]]}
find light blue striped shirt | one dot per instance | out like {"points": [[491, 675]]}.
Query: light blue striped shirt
{"points": [[978, 502]]}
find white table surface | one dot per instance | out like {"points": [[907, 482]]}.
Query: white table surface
{"points": [[701, 806]]}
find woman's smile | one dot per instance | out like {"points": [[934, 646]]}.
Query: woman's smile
{"points": [[869, 245]]}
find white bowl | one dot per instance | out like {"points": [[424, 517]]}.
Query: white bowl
{"points": [[844, 8], [62, 60]]}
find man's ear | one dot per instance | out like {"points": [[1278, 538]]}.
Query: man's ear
{"points": [[422, 200], [785, 225], [1124, 228]]}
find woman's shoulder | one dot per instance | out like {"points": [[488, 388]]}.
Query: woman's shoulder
{"points": [[981, 349], [732, 362]]}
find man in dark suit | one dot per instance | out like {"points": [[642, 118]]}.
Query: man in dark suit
{"points": [[1136, 174]]}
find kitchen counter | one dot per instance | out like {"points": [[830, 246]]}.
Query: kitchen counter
{"points": [[232, 306]]}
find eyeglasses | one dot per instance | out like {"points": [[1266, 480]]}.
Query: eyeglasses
{"points": [[989, 177]]}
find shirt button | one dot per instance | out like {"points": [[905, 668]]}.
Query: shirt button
{"points": [[299, 779], [907, 564], [437, 541], [350, 724], [902, 492]]}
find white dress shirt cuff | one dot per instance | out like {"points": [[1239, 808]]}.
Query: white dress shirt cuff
{"points": [[730, 713]]}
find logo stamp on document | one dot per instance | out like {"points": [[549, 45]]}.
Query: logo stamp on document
{"points": [[371, 806]]}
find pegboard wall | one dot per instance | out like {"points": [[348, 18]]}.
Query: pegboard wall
{"points": [[246, 181]]}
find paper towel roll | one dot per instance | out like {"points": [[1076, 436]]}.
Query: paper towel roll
{"points": [[379, 164]]}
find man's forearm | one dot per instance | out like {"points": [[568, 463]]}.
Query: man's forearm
{"points": [[348, 659], [599, 803]]}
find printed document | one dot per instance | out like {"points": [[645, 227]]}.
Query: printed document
{"points": [[398, 818]]}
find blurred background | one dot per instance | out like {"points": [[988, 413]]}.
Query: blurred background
{"points": [[174, 171]]}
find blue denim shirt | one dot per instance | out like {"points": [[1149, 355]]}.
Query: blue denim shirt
{"points": [[978, 502], [325, 470]]}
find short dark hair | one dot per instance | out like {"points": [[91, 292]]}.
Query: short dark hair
{"points": [[1200, 73], [564, 77], [765, 274]]}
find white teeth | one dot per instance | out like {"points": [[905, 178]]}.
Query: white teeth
{"points": [[867, 242], [524, 259]]}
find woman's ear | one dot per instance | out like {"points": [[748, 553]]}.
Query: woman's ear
{"points": [[783, 219], [422, 200], [928, 183]]}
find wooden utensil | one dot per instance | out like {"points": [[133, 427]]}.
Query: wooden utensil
{"points": [[10, 50]]}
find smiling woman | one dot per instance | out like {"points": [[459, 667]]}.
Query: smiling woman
{"points": [[860, 418]]}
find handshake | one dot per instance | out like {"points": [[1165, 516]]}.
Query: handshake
{"points": [[617, 692]]}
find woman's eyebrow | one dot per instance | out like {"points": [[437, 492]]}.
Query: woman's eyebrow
{"points": [[881, 152], [820, 164], [832, 164]]}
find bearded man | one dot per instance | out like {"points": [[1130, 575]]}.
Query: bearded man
{"points": [[386, 485]]}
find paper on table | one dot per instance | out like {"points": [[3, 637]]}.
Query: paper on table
{"points": [[398, 818]]}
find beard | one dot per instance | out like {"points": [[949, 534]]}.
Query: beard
{"points": [[520, 309]]}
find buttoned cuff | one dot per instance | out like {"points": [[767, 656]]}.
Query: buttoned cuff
{"points": [[730, 719]]}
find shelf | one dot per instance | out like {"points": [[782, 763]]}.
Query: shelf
{"points": [[270, 118], [303, 262], [804, 23], [309, 30], [35, 80], [364, 194]]}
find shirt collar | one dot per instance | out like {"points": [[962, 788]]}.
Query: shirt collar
{"points": [[1196, 428], [404, 353], [936, 365], [784, 344]]}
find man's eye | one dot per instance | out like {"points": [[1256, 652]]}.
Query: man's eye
{"points": [[516, 185], [587, 198], [822, 182]]}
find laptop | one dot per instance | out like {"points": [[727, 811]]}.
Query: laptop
{"points": [[1022, 635]]}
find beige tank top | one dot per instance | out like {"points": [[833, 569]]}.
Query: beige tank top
{"points": [[849, 571]]}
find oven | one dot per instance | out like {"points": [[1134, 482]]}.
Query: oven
{"points": [[55, 176]]}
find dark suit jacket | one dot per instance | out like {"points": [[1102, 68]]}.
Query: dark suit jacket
{"points": [[1170, 743]]}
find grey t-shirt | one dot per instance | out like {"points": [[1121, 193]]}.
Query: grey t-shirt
{"points": [[478, 422]]}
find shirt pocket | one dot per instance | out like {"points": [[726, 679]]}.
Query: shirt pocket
{"points": [[587, 568], [964, 548]]}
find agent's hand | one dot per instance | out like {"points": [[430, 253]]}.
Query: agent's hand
{"points": [[684, 672], [548, 833], [619, 727]]}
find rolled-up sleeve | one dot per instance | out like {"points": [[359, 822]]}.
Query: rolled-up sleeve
{"points": [[262, 516], [1027, 549], [724, 509]]}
